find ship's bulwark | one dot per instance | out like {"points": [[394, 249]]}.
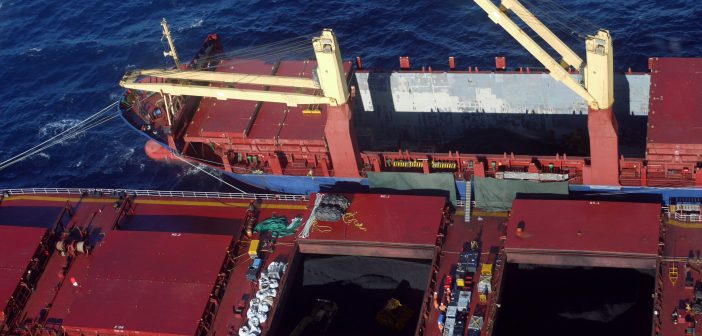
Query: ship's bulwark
{"points": [[306, 185]]}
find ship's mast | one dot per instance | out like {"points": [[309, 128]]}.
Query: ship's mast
{"points": [[172, 52]]}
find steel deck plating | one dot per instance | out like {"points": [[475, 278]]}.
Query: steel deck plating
{"points": [[584, 233], [160, 281]]}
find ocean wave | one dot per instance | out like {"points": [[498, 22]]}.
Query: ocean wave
{"points": [[114, 96], [56, 127], [197, 24], [189, 171], [126, 155], [115, 161]]}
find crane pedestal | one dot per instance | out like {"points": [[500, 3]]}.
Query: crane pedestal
{"points": [[341, 141], [604, 144]]}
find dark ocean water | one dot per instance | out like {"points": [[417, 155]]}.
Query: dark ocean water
{"points": [[62, 61]]}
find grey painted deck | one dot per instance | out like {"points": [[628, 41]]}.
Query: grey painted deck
{"points": [[487, 113], [490, 93]]}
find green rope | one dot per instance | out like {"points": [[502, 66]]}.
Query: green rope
{"points": [[278, 226]]}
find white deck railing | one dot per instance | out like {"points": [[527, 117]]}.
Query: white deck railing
{"points": [[152, 193], [695, 218]]}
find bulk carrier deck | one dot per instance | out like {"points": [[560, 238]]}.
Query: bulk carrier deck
{"points": [[167, 263], [303, 126]]}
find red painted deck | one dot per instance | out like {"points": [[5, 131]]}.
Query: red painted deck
{"points": [[681, 250], [268, 122], [487, 231], [273, 122], [227, 118], [380, 225], [17, 246], [676, 101], [388, 219], [145, 282], [584, 233], [228, 323], [157, 281], [136, 282]]}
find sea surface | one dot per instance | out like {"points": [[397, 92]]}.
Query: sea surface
{"points": [[62, 60]]}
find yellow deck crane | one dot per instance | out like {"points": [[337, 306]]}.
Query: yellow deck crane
{"points": [[597, 88], [329, 70], [330, 84]]}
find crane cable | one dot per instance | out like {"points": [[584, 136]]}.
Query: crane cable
{"points": [[296, 47], [560, 23], [92, 121], [575, 19], [198, 167]]}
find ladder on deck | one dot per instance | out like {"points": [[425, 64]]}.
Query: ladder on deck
{"points": [[673, 273], [468, 201]]}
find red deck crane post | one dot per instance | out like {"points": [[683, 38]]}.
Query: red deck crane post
{"points": [[598, 88]]}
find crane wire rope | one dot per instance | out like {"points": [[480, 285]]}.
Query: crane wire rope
{"points": [[273, 51], [273, 48], [92, 121], [198, 167], [560, 9], [215, 61], [556, 22], [560, 20], [264, 54], [277, 46], [55, 141]]}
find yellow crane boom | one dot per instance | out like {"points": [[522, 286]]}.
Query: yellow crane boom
{"points": [[288, 98], [598, 90], [234, 78], [330, 72]]}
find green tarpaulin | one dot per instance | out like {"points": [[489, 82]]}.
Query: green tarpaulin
{"points": [[497, 195], [441, 182]]}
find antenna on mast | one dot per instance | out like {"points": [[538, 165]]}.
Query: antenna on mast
{"points": [[172, 51]]}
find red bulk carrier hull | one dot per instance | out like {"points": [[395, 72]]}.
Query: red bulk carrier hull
{"points": [[309, 148]]}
